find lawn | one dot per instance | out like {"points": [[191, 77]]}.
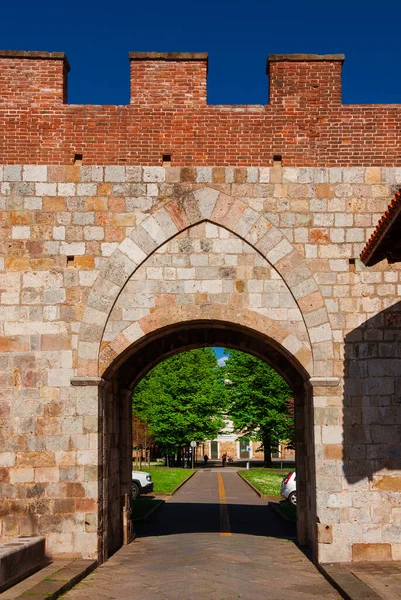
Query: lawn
{"points": [[166, 479], [267, 481]]}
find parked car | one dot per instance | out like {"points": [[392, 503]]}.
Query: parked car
{"points": [[141, 483], [289, 487]]}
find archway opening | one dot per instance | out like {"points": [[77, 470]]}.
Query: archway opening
{"points": [[135, 362]]}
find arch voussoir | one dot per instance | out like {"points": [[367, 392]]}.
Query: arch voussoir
{"points": [[249, 218], [269, 240], [258, 231], [281, 337], [232, 213], [160, 227], [206, 199]]}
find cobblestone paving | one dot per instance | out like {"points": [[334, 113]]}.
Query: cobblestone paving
{"points": [[182, 554]]}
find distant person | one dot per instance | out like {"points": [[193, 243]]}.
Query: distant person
{"points": [[205, 459], [223, 459]]}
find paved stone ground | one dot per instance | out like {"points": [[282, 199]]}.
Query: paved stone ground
{"points": [[367, 580], [214, 540], [383, 578]]}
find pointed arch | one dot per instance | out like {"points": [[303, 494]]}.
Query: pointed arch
{"points": [[205, 203], [286, 341]]}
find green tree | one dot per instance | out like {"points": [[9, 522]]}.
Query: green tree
{"points": [[259, 401], [182, 399]]}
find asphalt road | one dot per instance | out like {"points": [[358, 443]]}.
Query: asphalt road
{"points": [[198, 507]]}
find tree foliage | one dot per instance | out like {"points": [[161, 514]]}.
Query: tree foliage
{"points": [[182, 399], [259, 401]]}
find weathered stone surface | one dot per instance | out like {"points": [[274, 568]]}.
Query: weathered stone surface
{"points": [[97, 258], [387, 483], [19, 556], [371, 552]]}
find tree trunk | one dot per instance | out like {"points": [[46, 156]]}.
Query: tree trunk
{"points": [[267, 450]]}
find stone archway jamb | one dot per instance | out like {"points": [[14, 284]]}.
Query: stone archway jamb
{"points": [[324, 381]]}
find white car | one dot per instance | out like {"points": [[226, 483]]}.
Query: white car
{"points": [[289, 487], [141, 483]]}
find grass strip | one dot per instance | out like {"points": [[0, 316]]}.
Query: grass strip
{"points": [[166, 479], [266, 481], [259, 493]]}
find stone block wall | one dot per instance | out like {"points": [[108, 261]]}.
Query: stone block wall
{"points": [[65, 230], [97, 259]]}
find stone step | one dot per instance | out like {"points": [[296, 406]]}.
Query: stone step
{"points": [[19, 557], [51, 581]]}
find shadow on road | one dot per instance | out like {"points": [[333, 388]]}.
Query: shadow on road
{"points": [[191, 517]]}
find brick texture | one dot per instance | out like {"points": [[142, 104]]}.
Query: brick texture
{"points": [[305, 121]]}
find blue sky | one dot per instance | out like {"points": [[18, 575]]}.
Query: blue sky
{"points": [[221, 358], [219, 352], [238, 35]]}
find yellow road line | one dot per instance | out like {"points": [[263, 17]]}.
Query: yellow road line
{"points": [[224, 516]]}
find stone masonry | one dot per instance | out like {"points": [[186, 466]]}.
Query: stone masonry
{"points": [[108, 267]]}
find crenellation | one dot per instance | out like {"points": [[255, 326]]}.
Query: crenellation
{"points": [[33, 81]]}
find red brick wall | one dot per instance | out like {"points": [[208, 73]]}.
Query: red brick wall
{"points": [[305, 121], [36, 79], [168, 83], [305, 84]]}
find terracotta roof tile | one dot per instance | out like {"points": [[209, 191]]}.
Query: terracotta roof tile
{"points": [[370, 254]]}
